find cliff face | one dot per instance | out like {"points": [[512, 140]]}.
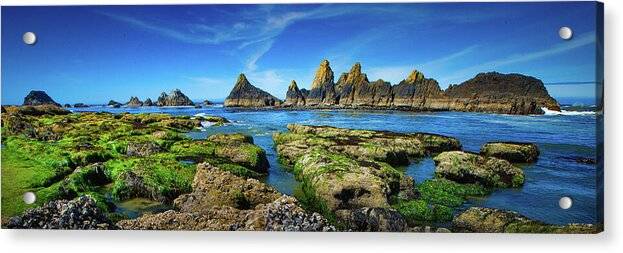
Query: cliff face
{"points": [[246, 95], [175, 98], [353, 88], [501, 93], [134, 102], [322, 90]]}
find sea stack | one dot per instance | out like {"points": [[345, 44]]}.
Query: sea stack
{"points": [[134, 102], [294, 96], [323, 88], [417, 92], [175, 98], [244, 94], [501, 93], [350, 84], [148, 102], [37, 97]]}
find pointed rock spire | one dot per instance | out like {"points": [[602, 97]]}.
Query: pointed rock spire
{"points": [[244, 94], [415, 76], [294, 96], [323, 88]]}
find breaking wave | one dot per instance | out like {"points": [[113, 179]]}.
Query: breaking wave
{"points": [[566, 113]]}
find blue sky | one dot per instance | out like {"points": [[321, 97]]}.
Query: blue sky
{"points": [[95, 53]]}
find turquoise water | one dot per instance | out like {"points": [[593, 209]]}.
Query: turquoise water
{"points": [[561, 139]]}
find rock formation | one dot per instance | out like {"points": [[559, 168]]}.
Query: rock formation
{"points": [[223, 201], [515, 152], [37, 97], [244, 94], [134, 102], [417, 92], [486, 92], [148, 102], [294, 96], [501, 93], [81, 213], [468, 168], [114, 104], [491, 220], [322, 88], [80, 105], [175, 98]]}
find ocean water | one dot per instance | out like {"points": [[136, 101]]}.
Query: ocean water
{"points": [[561, 138]]}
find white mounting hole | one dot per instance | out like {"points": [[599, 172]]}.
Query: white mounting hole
{"points": [[565, 203], [29, 38], [29, 197], [565, 33]]}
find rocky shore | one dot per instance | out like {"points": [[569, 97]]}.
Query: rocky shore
{"points": [[487, 92], [350, 179]]}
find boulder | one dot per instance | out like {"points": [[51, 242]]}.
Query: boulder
{"points": [[239, 149], [134, 102], [368, 219], [142, 149], [463, 167], [490, 220], [207, 102], [515, 152], [344, 183], [80, 105], [213, 187], [322, 92], [244, 94], [80, 213], [294, 96]]}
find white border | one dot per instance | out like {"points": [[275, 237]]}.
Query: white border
{"points": [[166, 241]]}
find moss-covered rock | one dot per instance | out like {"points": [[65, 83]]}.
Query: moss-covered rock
{"points": [[214, 187], [345, 183], [490, 220], [382, 146], [466, 167], [515, 152]]}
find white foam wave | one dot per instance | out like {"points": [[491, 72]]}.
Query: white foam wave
{"points": [[565, 112]]}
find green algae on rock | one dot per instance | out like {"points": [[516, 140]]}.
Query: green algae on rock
{"points": [[491, 220], [382, 146], [464, 167], [515, 152], [138, 155]]}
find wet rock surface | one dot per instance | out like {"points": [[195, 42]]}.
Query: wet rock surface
{"points": [[466, 167], [81, 213], [515, 152], [490, 220]]}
